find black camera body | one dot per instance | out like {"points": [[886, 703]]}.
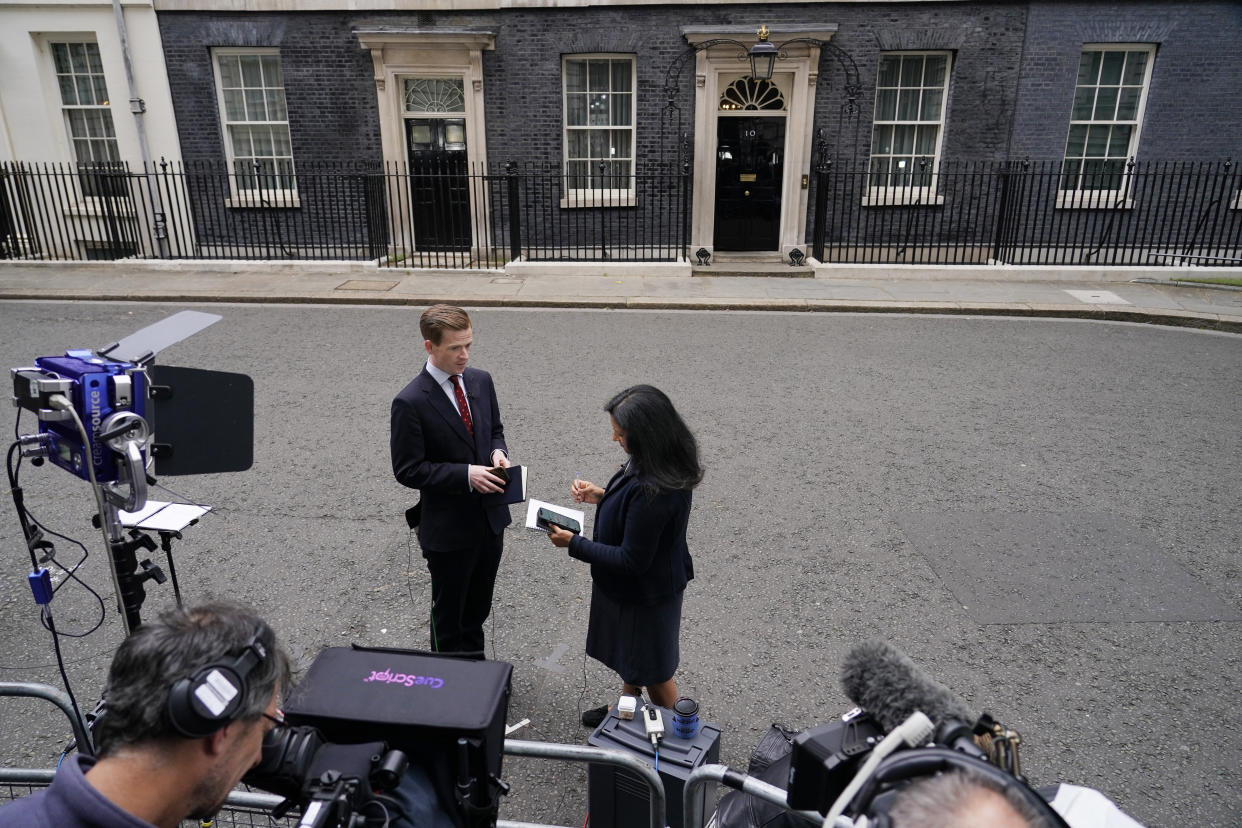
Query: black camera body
{"points": [[361, 714], [332, 784], [825, 759]]}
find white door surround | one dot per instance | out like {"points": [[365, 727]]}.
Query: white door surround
{"points": [[796, 73], [397, 53]]}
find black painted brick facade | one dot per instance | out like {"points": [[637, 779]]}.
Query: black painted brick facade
{"points": [[1192, 111], [1010, 89], [333, 115]]}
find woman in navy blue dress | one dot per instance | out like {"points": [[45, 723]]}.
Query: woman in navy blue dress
{"points": [[640, 563]]}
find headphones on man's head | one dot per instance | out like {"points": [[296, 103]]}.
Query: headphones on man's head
{"points": [[208, 700], [877, 794]]}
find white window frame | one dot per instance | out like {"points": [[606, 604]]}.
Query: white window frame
{"points": [[258, 197], [1118, 198], [595, 197], [904, 195], [89, 201]]}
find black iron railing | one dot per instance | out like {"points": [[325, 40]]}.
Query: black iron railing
{"points": [[439, 213], [429, 213], [1151, 213]]}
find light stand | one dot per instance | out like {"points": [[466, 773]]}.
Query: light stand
{"points": [[123, 558], [167, 519]]}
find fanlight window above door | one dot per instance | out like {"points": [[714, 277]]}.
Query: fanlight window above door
{"points": [[435, 95], [749, 93]]}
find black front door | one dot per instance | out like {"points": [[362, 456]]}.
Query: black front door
{"points": [[439, 183], [750, 159]]}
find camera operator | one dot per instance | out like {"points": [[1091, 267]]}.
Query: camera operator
{"points": [[961, 799], [162, 755]]}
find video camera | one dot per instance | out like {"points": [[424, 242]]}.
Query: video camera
{"points": [[333, 785], [361, 715], [907, 727]]}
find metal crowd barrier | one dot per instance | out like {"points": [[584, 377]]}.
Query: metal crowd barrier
{"points": [[251, 809], [583, 753], [58, 698], [723, 774]]}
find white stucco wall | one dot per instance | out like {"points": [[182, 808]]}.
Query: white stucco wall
{"points": [[32, 127]]}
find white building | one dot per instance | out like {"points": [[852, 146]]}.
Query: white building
{"points": [[83, 94]]}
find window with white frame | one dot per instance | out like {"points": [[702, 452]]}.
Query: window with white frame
{"points": [[88, 115], [1109, 95], [251, 91], [910, 93], [599, 129]]}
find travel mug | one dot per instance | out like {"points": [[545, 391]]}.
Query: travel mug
{"points": [[686, 718]]}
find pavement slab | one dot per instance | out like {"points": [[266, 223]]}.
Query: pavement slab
{"points": [[1151, 297]]}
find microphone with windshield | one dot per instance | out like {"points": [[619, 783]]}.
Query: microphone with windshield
{"points": [[884, 681]]}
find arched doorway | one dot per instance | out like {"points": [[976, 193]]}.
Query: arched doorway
{"points": [[722, 119]]}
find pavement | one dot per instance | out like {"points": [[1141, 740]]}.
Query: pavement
{"points": [[1150, 295]]}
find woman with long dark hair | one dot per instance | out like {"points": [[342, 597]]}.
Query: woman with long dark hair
{"points": [[640, 563]]}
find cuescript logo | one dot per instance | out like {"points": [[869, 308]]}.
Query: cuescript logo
{"points": [[389, 677]]}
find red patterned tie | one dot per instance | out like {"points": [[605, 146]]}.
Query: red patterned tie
{"points": [[461, 404]]}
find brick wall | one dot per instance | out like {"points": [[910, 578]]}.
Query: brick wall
{"points": [[1192, 110], [333, 115], [1012, 79], [1010, 89]]}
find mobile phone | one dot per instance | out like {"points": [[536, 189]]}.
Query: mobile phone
{"points": [[546, 516], [501, 472]]}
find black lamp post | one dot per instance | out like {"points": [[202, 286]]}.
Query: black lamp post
{"points": [[762, 56]]}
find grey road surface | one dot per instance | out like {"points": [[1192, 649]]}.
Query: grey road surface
{"points": [[1043, 514]]}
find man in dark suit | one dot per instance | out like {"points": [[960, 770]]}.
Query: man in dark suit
{"points": [[446, 434]]}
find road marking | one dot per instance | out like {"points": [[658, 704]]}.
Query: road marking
{"points": [[1097, 297], [549, 663]]}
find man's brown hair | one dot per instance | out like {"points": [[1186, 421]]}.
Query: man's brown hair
{"points": [[440, 318]]}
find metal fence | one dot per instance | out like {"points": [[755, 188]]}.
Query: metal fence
{"points": [[1125, 213], [438, 213], [244, 809], [433, 213]]}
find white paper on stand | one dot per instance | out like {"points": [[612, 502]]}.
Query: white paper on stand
{"points": [[163, 517]]}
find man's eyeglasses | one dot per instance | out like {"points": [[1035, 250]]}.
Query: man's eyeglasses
{"points": [[278, 719]]}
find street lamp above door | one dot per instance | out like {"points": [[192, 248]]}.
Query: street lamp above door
{"points": [[762, 56]]}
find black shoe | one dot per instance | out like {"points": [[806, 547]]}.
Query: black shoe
{"points": [[592, 718]]}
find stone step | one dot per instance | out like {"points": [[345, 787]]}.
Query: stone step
{"points": [[765, 269]]}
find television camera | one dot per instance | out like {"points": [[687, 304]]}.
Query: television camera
{"points": [[334, 786], [362, 718], [907, 727]]}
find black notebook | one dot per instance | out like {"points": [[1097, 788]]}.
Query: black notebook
{"points": [[515, 489]]}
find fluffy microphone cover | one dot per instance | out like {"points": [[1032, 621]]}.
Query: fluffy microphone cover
{"points": [[882, 680]]}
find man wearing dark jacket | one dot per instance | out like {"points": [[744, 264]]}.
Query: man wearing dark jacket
{"points": [[188, 700], [446, 434]]}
